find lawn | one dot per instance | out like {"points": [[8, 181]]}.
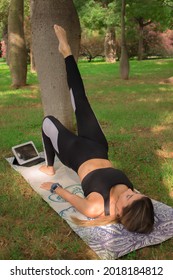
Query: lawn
{"points": [[137, 118]]}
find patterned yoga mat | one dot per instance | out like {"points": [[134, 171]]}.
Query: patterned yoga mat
{"points": [[109, 242]]}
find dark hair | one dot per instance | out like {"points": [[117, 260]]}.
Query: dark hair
{"points": [[139, 216]]}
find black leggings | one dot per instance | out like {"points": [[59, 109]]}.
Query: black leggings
{"points": [[90, 142]]}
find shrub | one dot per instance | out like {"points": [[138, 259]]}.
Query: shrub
{"points": [[92, 47], [3, 49], [158, 43]]}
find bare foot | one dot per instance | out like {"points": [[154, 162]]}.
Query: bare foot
{"points": [[64, 47], [49, 170]]}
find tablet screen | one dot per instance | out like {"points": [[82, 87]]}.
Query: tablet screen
{"points": [[25, 152]]}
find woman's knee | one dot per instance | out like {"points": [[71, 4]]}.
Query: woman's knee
{"points": [[49, 124], [49, 117]]}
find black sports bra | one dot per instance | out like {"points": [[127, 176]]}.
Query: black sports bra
{"points": [[101, 181]]}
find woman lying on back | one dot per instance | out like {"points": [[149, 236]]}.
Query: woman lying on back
{"points": [[109, 194]]}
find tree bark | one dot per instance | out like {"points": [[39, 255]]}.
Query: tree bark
{"points": [[141, 24], [32, 60], [140, 43], [124, 61], [49, 62], [17, 55], [109, 45]]}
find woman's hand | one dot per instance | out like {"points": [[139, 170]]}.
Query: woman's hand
{"points": [[46, 186]]}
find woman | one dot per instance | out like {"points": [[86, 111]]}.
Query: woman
{"points": [[109, 195]]}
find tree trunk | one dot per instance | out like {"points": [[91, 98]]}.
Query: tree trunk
{"points": [[17, 55], [124, 61], [49, 62], [140, 44], [141, 24], [109, 45], [32, 61]]}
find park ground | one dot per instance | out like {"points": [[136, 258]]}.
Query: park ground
{"points": [[137, 118]]}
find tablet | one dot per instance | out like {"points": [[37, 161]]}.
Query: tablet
{"points": [[25, 152]]}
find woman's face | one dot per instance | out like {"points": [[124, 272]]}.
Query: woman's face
{"points": [[125, 199]]}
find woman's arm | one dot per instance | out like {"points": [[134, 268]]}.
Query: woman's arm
{"points": [[83, 205]]}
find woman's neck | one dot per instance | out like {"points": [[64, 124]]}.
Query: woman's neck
{"points": [[116, 191]]}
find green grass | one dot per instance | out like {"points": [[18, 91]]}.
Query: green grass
{"points": [[136, 116]]}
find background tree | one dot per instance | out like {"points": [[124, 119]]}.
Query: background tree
{"points": [[144, 13], [49, 62], [111, 22], [169, 4], [99, 18], [17, 55], [4, 7], [124, 61], [29, 37]]}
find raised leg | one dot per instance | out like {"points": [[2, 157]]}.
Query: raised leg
{"points": [[88, 126]]}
